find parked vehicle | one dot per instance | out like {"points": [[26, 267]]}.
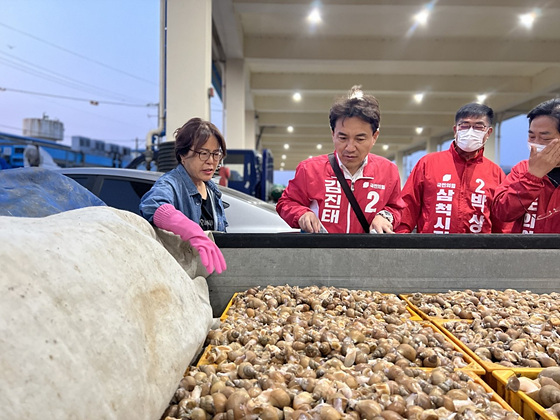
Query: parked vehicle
{"points": [[123, 189]]}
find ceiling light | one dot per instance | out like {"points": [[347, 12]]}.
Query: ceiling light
{"points": [[481, 98], [286, 146], [314, 17], [422, 17], [527, 19], [385, 147], [418, 97], [310, 156], [282, 164], [419, 130], [283, 157], [290, 129], [296, 97], [319, 146]]}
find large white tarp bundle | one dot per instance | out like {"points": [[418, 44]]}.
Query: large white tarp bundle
{"points": [[98, 319]]}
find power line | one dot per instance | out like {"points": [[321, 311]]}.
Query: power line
{"points": [[78, 55], [46, 74], [91, 101]]}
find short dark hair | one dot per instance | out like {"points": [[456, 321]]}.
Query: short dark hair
{"points": [[475, 110], [356, 104], [194, 134], [550, 108]]}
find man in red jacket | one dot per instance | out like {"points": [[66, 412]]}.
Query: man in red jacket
{"points": [[530, 196], [451, 191], [314, 200]]}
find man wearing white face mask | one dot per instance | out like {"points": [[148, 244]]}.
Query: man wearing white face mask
{"points": [[530, 196], [451, 191]]}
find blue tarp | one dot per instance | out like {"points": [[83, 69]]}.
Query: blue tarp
{"points": [[39, 192]]}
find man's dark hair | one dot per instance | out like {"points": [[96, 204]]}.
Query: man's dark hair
{"points": [[356, 104], [194, 134], [550, 108], [475, 110]]}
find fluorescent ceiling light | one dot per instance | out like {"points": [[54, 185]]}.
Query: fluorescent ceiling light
{"points": [[422, 17], [314, 17], [528, 19]]}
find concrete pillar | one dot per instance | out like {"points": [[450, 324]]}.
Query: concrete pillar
{"points": [[399, 155], [250, 130], [431, 145], [498, 140], [491, 149], [234, 104], [188, 61]]}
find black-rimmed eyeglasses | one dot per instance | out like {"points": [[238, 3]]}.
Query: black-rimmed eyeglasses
{"points": [[476, 127], [204, 155]]}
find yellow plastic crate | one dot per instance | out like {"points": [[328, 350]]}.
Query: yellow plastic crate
{"points": [[494, 395], [524, 405], [203, 360], [224, 314], [414, 316], [489, 367], [473, 365], [413, 307]]}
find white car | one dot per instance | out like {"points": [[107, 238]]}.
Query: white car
{"points": [[123, 189]]}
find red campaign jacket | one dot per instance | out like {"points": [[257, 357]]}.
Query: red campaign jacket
{"points": [[532, 203], [316, 188], [447, 194]]}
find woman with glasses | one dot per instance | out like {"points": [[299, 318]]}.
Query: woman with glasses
{"points": [[451, 191], [185, 200]]}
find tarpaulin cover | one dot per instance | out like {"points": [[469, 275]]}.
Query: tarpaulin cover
{"points": [[39, 192]]}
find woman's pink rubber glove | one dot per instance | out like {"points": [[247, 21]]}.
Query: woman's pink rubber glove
{"points": [[169, 218]]}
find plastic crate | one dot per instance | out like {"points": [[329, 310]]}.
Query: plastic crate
{"points": [[224, 314], [413, 307], [414, 316], [203, 360], [489, 367], [494, 395], [406, 297], [473, 365], [519, 401]]}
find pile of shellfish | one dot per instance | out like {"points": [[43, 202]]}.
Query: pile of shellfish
{"points": [[497, 304], [510, 328], [328, 353], [532, 341], [544, 389]]}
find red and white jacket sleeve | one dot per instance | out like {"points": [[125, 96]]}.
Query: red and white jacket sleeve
{"points": [[294, 201], [513, 197]]}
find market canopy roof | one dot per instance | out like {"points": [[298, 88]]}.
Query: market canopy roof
{"points": [[464, 49]]}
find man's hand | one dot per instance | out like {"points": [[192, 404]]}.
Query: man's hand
{"points": [[541, 163], [381, 225], [309, 223]]}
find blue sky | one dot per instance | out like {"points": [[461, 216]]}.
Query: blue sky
{"points": [[105, 51], [101, 50]]}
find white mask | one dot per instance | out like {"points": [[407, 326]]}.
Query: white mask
{"points": [[539, 147], [470, 140]]}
